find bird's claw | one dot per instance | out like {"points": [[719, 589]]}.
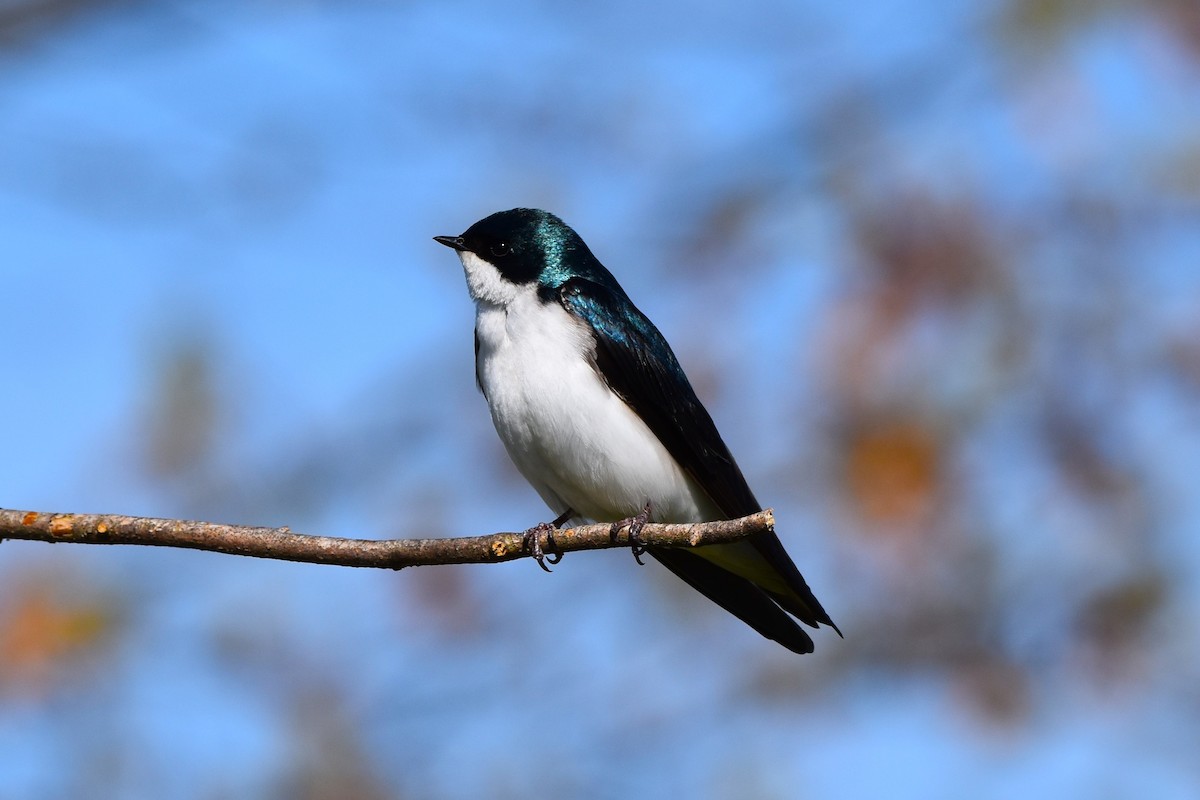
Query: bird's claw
{"points": [[533, 543], [635, 525], [532, 540]]}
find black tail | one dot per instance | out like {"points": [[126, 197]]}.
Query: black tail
{"points": [[738, 596], [804, 604]]}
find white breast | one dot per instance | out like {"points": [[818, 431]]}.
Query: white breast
{"points": [[577, 443]]}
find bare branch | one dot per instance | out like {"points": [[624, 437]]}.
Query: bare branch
{"points": [[282, 543]]}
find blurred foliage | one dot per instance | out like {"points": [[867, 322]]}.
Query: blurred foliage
{"points": [[52, 626], [893, 473], [183, 423], [22, 20]]}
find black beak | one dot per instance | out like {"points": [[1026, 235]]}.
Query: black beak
{"points": [[453, 242]]}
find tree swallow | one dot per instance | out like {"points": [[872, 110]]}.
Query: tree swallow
{"points": [[597, 415]]}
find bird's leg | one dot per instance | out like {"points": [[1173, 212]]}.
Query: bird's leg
{"points": [[532, 540], [635, 525]]}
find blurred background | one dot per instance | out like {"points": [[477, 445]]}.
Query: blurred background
{"points": [[935, 269]]}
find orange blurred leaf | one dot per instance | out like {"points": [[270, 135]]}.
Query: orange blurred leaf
{"points": [[41, 631], [893, 471]]}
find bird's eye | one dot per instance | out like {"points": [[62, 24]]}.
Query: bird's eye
{"points": [[500, 250]]}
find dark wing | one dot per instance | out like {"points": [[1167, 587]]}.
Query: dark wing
{"points": [[478, 382], [636, 362]]}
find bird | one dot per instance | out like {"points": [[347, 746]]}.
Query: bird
{"points": [[598, 416]]}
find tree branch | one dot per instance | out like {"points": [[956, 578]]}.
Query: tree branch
{"points": [[282, 543]]}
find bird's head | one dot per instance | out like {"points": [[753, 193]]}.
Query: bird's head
{"points": [[515, 249]]}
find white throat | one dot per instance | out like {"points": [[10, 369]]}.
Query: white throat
{"points": [[485, 283]]}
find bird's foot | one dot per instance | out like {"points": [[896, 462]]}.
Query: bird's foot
{"points": [[532, 540], [635, 525]]}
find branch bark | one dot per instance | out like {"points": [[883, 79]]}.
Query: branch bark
{"points": [[283, 544]]}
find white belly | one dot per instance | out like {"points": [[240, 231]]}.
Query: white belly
{"points": [[577, 443]]}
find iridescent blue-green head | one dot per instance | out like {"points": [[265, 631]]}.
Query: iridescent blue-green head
{"points": [[520, 247]]}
